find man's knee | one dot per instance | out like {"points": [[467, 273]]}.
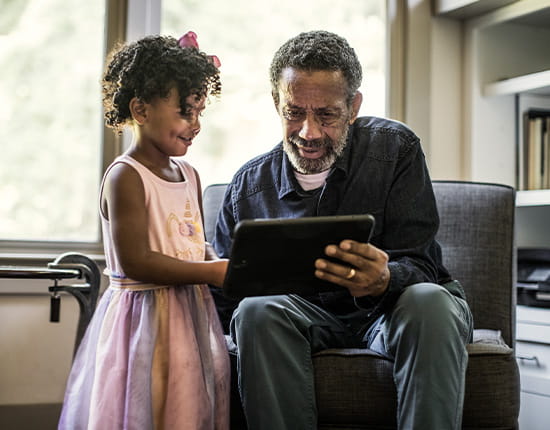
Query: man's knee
{"points": [[423, 296], [429, 306], [258, 313]]}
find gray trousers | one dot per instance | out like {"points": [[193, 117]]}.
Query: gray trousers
{"points": [[425, 335]]}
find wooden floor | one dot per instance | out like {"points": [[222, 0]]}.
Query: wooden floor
{"points": [[29, 417]]}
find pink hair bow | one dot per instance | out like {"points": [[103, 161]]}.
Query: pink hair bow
{"points": [[189, 39]]}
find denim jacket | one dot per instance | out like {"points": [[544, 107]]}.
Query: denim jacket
{"points": [[382, 171]]}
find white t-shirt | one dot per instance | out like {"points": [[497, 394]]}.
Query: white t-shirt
{"points": [[312, 181]]}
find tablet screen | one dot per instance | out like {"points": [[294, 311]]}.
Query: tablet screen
{"points": [[276, 256]]}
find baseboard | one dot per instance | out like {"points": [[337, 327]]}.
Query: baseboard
{"points": [[30, 417]]}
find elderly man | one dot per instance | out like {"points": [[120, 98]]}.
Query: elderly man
{"points": [[398, 299]]}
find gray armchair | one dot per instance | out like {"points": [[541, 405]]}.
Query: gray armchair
{"points": [[355, 388]]}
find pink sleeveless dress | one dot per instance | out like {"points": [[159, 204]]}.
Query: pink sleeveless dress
{"points": [[153, 357]]}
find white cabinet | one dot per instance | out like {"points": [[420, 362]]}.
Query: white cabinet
{"points": [[533, 355], [506, 56]]}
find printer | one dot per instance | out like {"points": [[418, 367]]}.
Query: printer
{"points": [[533, 277]]}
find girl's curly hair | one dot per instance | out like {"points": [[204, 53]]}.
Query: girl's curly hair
{"points": [[149, 68]]}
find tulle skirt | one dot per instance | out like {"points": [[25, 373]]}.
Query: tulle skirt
{"points": [[153, 359]]}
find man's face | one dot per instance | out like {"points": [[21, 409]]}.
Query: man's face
{"points": [[315, 117]]}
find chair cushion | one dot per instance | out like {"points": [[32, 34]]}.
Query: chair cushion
{"points": [[355, 388], [492, 395]]}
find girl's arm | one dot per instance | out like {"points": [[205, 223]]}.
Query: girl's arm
{"points": [[123, 202]]}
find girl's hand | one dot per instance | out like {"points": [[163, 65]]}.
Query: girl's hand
{"points": [[210, 253], [218, 267]]}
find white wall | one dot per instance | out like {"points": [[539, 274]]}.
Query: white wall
{"points": [[433, 88], [35, 354]]}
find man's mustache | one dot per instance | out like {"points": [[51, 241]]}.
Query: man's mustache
{"points": [[315, 144]]}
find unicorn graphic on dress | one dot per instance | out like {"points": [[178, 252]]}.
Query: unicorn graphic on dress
{"points": [[188, 225]]}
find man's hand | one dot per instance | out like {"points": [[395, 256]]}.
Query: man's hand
{"points": [[369, 274]]}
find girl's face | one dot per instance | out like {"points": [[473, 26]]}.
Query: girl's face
{"points": [[170, 127]]}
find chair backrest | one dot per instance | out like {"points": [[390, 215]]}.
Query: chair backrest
{"points": [[476, 234], [212, 199]]}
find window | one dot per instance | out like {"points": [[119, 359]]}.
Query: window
{"points": [[54, 145], [245, 35], [51, 57]]}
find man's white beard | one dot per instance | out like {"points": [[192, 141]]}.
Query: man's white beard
{"points": [[308, 166]]}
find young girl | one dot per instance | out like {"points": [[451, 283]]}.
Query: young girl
{"points": [[154, 354]]}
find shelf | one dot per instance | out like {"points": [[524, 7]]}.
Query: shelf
{"points": [[527, 12], [533, 198], [506, 71], [533, 83], [463, 9]]}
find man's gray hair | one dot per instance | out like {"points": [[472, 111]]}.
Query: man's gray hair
{"points": [[317, 50]]}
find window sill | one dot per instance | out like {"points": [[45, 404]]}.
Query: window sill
{"points": [[40, 253]]}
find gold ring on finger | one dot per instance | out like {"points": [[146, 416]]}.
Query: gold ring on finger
{"points": [[351, 273]]}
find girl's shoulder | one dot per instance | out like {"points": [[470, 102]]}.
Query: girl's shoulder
{"points": [[121, 164], [123, 168]]}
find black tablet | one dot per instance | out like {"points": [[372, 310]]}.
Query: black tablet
{"points": [[276, 256]]}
